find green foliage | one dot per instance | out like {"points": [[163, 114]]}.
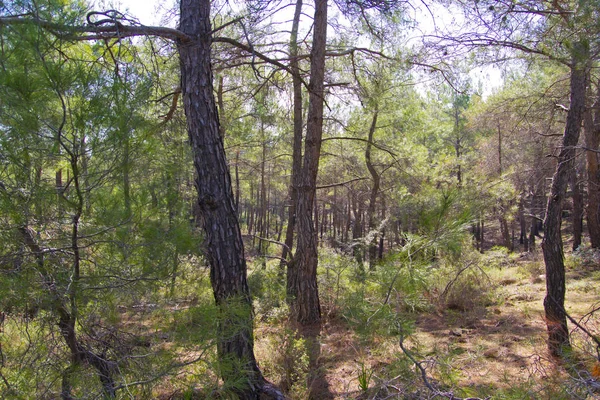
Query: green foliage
{"points": [[497, 257], [286, 360], [371, 304], [87, 168], [463, 284], [82, 170], [267, 288], [364, 377], [584, 258], [443, 217]]}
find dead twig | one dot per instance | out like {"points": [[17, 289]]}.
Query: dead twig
{"points": [[419, 364]]}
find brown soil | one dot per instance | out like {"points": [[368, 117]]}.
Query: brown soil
{"points": [[485, 350]]}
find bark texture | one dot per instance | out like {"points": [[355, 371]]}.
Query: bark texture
{"points": [[577, 209], [374, 193], [297, 141], [223, 246], [592, 141], [552, 245], [305, 307]]}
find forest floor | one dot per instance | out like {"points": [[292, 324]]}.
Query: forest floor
{"points": [[497, 349]]}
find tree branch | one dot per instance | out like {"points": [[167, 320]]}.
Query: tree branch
{"points": [[341, 184], [113, 30], [361, 140]]}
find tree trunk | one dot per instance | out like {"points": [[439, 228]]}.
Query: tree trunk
{"points": [[592, 141], [577, 209], [552, 246], [223, 241], [382, 236], [523, 239], [297, 141], [237, 181], [504, 229], [374, 192], [305, 307], [357, 232]]}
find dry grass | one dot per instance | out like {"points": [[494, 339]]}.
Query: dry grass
{"points": [[483, 350]]}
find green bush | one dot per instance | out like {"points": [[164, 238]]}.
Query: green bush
{"points": [[267, 288]]}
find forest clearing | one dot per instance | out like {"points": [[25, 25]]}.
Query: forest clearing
{"points": [[270, 199]]}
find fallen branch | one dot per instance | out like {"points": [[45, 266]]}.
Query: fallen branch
{"points": [[435, 391]]}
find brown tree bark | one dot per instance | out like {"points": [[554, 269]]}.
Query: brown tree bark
{"points": [[223, 246], [592, 142], [374, 193], [523, 239], [297, 142], [506, 238], [357, 231], [305, 306], [552, 245], [577, 217]]}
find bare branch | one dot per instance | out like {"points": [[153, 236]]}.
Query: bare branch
{"points": [[341, 184], [250, 50], [268, 240], [361, 140]]}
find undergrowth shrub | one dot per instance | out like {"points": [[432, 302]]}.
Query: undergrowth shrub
{"points": [[337, 278], [267, 288], [497, 257], [371, 302], [463, 285], [286, 361], [583, 258]]}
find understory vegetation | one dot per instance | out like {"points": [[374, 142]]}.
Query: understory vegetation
{"points": [[289, 200], [416, 326]]}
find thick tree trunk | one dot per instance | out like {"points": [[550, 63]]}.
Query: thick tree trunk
{"points": [[592, 141], [223, 241], [552, 245], [297, 141], [305, 307]]}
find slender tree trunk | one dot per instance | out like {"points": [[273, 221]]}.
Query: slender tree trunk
{"points": [[592, 141], [237, 181], [383, 231], [552, 246], [126, 168], [262, 201], [481, 233], [532, 233], [224, 248], [251, 210], [357, 232], [374, 193], [305, 306], [577, 209], [297, 142], [504, 229], [524, 240]]}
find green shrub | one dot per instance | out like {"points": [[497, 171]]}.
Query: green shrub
{"points": [[286, 361], [267, 288], [583, 258]]}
